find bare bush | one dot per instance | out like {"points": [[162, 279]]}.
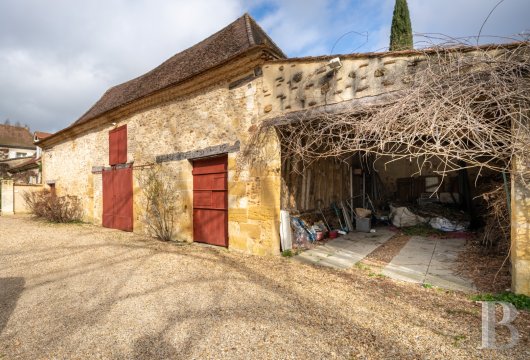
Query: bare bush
{"points": [[160, 199], [59, 209]]}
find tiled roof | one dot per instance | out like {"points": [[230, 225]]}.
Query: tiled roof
{"points": [[15, 136], [39, 135], [29, 163], [235, 39], [15, 162]]}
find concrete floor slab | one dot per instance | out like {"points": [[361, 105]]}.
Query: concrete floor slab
{"points": [[422, 260], [404, 273], [429, 261], [347, 250]]}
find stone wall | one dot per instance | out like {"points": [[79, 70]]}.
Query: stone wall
{"points": [[212, 116], [291, 85], [19, 190]]}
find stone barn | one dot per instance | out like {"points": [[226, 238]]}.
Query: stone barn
{"points": [[196, 115], [192, 114]]}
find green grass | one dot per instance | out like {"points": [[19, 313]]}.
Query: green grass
{"points": [[287, 253], [457, 339], [427, 286], [519, 301], [379, 276], [421, 230], [361, 266]]}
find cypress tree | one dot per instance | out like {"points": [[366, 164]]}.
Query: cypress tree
{"points": [[401, 32]]}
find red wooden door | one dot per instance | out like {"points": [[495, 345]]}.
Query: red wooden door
{"points": [[117, 199], [210, 201]]}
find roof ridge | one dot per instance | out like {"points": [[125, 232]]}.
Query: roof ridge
{"points": [[248, 26], [252, 23]]}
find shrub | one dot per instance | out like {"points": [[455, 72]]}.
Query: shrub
{"points": [[518, 300], [160, 201], [59, 209]]}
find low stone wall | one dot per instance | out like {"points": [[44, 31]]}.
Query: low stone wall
{"points": [[19, 205]]}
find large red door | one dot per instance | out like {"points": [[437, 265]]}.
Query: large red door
{"points": [[117, 199], [210, 201]]}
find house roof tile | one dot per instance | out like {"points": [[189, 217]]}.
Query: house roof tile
{"points": [[15, 136], [39, 135]]}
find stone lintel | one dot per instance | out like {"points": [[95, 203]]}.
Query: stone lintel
{"points": [[195, 154], [100, 169]]}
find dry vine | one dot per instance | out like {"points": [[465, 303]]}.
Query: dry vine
{"points": [[497, 229], [459, 109]]}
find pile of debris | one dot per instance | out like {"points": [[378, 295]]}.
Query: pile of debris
{"points": [[306, 230], [438, 216]]}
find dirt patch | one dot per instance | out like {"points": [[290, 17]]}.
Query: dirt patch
{"points": [[488, 268], [387, 251]]}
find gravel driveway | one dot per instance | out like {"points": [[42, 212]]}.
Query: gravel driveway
{"points": [[81, 292]]}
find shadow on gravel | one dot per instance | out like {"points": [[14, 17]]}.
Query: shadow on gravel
{"points": [[154, 347], [10, 290]]}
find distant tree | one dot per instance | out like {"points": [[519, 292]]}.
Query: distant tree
{"points": [[401, 32], [7, 122], [18, 124]]}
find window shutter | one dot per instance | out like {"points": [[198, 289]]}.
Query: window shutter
{"points": [[113, 148], [118, 145], [122, 144]]}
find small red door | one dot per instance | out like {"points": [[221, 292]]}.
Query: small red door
{"points": [[210, 201], [117, 199]]}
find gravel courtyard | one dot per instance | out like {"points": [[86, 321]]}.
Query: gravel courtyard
{"points": [[80, 292]]}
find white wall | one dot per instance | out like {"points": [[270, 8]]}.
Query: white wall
{"points": [[13, 152]]}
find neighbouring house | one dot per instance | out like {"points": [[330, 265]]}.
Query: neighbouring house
{"points": [[20, 174], [15, 142], [197, 115], [26, 172], [8, 164], [25, 169], [38, 136], [16, 147]]}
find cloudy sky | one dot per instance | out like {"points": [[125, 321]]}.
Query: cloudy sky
{"points": [[57, 57]]}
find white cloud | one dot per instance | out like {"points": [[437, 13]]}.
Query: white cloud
{"points": [[58, 57]]}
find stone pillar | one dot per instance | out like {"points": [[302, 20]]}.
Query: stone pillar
{"points": [[520, 218], [7, 197]]}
